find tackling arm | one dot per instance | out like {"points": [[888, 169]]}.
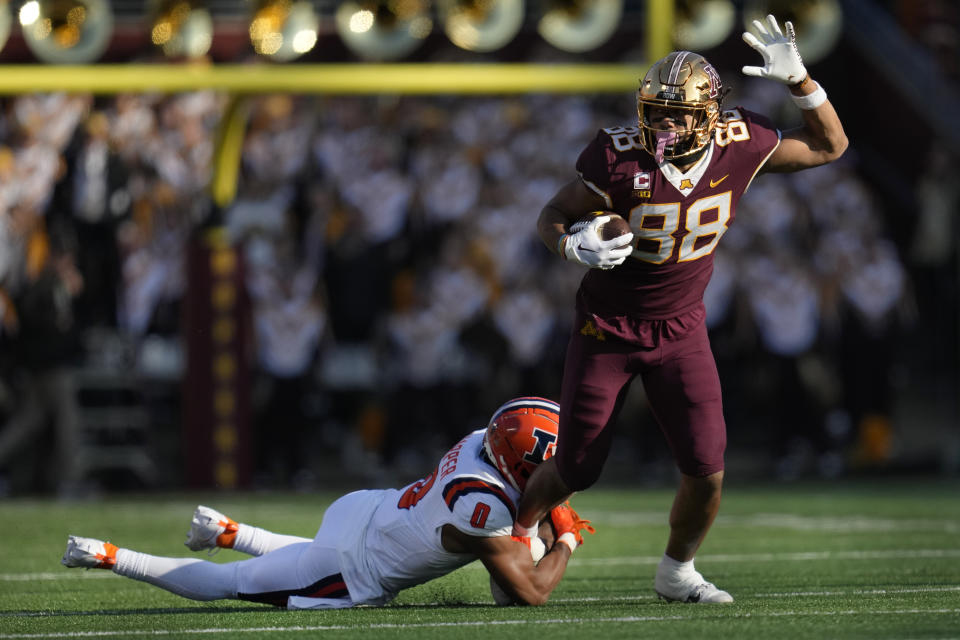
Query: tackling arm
{"points": [[509, 563]]}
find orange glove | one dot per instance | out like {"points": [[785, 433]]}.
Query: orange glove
{"points": [[566, 521]]}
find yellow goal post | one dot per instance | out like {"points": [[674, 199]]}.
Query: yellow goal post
{"points": [[334, 78]]}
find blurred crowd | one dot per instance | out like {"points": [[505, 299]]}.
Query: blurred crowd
{"points": [[398, 289], [935, 25]]}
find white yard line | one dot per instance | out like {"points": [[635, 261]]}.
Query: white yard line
{"points": [[858, 592], [804, 556], [54, 575], [477, 623], [786, 594], [791, 521]]}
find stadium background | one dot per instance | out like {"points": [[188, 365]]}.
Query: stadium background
{"points": [[325, 269]]}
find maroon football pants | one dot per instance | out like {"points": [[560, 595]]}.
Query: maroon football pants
{"points": [[679, 375]]}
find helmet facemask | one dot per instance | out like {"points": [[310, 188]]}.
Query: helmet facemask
{"points": [[686, 140], [687, 85]]}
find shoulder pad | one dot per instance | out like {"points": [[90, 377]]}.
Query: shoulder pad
{"points": [[479, 507]]}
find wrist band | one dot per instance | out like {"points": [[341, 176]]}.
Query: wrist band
{"points": [[568, 539], [561, 246], [812, 100], [525, 532], [802, 83]]}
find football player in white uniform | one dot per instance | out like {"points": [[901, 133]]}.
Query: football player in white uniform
{"points": [[371, 544]]}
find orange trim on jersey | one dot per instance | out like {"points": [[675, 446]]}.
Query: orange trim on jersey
{"points": [[333, 586], [460, 487], [332, 590]]}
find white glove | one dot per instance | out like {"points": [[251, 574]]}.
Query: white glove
{"points": [[584, 245], [781, 59]]}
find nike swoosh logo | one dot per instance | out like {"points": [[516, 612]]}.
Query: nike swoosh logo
{"points": [[714, 183]]}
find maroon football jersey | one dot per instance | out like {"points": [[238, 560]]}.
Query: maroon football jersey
{"points": [[677, 218]]}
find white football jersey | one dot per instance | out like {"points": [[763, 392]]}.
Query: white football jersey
{"points": [[400, 545]]}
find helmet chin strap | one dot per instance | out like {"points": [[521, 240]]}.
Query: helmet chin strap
{"points": [[696, 155], [664, 139], [506, 473]]}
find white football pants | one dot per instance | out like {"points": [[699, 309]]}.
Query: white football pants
{"points": [[282, 566]]}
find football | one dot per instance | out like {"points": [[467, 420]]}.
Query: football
{"points": [[615, 227]]}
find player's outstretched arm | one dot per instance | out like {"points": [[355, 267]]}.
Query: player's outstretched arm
{"points": [[821, 139], [509, 562]]}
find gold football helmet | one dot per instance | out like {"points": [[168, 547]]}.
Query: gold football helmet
{"points": [[686, 83]]}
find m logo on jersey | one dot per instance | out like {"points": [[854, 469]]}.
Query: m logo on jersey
{"points": [[589, 329], [545, 440]]}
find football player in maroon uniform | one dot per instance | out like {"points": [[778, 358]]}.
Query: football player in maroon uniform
{"points": [[677, 178]]}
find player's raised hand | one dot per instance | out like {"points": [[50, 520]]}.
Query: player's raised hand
{"points": [[586, 247], [781, 59]]}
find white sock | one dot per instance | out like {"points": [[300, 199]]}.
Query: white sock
{"points": [[188, 577], [675, 570], [256, 541]]}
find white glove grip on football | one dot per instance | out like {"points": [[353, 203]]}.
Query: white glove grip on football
{"points": [[781, 59], [586, 247]]}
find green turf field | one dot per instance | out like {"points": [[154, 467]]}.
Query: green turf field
{"points": [[866, 559]]}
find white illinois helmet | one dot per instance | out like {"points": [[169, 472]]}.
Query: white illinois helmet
{"points": [[520, 435], [686, 82]]}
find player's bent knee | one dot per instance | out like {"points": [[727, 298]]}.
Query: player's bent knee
{"points": [[696, 467], [701, 471]]}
